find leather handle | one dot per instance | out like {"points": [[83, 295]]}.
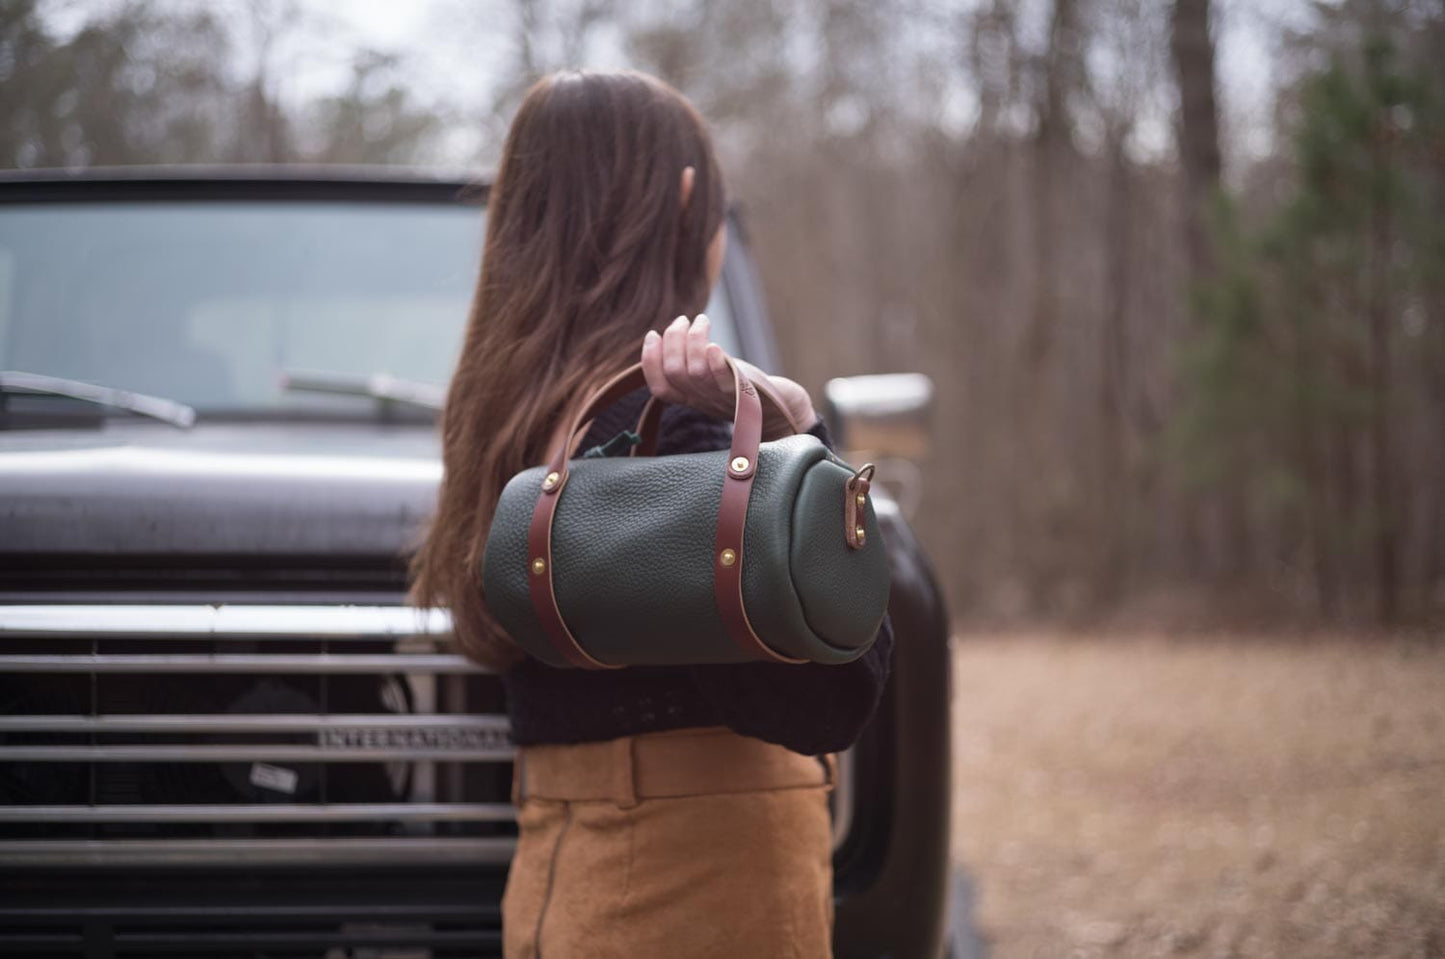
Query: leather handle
{"points": [[631, 379], [732, 512], [649, 423]]}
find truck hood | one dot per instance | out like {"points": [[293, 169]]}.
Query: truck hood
{"points": [[246, 489]]}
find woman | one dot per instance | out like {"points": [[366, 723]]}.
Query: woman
{"points": [[662, 811]]}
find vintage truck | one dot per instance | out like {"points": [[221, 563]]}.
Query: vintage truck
{"points": [[222, 731]]}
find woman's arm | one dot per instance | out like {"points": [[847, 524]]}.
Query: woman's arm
{"points": [[809, 708]]}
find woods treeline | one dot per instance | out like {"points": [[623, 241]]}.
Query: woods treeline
{"points": [[1173, 374]]}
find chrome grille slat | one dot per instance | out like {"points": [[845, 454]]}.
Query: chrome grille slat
{"points": [[223, 621], [402, 643], [451, 850], [246, 723], [269, 812], [390, 724], [288, 663], [247, 753]]}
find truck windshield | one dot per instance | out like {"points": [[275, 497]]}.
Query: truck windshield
{"points": [[209, 303]]}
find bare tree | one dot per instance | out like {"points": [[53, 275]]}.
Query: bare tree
{"points": [[1192, 46], [949, 188], [1060, 78], [1127, 37]]}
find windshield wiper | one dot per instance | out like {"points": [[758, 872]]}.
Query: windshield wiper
{"points": [[378, 386], [156, 407]]}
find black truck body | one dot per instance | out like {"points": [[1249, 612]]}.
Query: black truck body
{"points": [[222, 733]]}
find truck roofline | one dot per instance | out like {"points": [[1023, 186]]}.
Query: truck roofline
{"points": [[245, 182]]}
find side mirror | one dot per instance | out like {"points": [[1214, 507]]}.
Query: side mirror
{"points": [[884, 418]]}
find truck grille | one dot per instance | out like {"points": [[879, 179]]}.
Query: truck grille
{"points": [[247, 735], [324, 925]]}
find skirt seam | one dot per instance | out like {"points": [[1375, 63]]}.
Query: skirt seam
{"points": [[551, 879]]}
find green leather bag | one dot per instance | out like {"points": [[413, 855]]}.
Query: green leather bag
{"points": [[768, 551]]}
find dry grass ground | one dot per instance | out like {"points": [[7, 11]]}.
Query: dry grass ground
{"points": [[1249, 797]]}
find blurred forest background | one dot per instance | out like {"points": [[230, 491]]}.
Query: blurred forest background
{"points": [[1188, 368]]}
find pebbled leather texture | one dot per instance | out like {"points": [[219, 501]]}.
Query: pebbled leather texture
{"points": [[632, 548], [843, 589], [770, 590]]}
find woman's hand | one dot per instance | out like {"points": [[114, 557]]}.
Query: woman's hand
{"points": [[682, 366]]}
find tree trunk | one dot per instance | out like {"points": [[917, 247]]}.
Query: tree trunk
{"points": [[1381, 388], [1114, 498], [1309, 457], [1053, 151], [1192, 49], [1197, 136]]}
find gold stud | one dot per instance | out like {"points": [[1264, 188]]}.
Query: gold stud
{"points": [[862, 500], [550, 481], [739, 464], [728, 557], [860, 532], [539, 566]]}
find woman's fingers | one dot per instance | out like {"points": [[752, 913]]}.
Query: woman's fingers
{"points": [[697, 343], [674, 355], [652, 368], [681, 365], [708, 373]]}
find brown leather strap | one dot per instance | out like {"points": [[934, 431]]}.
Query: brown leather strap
{"points": [[648, 426], [732, 516], [649, 423], [766, 391], [610, 392], [539, 583], [625, 382], [855, 502], [539, 533], [732, 512]]}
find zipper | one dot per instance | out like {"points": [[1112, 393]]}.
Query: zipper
{"points": [[551, 878]]}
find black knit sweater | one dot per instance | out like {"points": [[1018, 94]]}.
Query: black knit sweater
{"points": [[808, 708]]}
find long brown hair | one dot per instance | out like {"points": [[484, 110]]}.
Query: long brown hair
{"points": [[588, 247]]}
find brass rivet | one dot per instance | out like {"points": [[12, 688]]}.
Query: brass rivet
{"points": [[739, 464], [728, 557], [862, 500], [539, 566], [861, 533], [550, 481]]}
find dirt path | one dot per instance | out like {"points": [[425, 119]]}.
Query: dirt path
{"points": [[1202, 798]]}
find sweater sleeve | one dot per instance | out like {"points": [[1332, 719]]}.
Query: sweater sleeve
{"points": [[810, 708]]}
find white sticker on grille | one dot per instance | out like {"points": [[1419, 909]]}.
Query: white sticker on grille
{"points": [[276, 778]]}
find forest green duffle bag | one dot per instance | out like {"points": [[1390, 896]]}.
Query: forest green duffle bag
{"points": [[767, 551]]}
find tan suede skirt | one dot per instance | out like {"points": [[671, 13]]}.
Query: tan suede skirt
{"points": [[692, 843]]}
